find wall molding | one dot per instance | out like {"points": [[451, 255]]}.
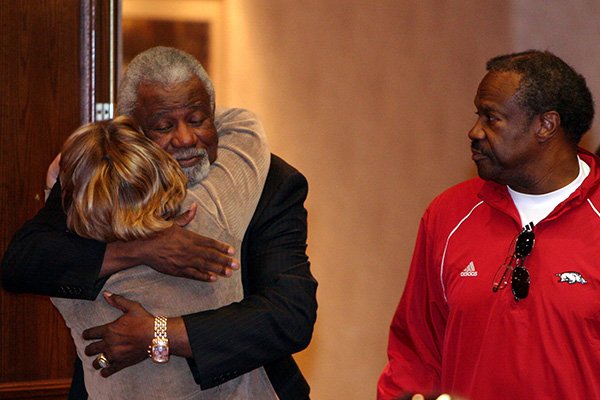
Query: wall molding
{"points": [[50, 389]]}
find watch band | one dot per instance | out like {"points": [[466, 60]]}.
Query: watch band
{"points": [[160, 327], [158, 350]]}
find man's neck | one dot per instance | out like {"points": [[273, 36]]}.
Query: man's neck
{"points": [[554, 172]]}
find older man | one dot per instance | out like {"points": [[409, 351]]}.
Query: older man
{"points": [[501, 300], [276, 317]]}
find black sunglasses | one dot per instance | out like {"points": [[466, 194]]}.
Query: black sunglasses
{"points": [[514, 265]]}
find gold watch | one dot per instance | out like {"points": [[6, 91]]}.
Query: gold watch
{"points": [[158, 350]]}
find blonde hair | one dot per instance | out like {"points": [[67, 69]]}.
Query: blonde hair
{"points": [[117, 184]]}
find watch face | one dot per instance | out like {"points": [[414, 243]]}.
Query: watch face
{"points": [[160, 350]]}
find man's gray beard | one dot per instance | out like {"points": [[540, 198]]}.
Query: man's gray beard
{"points": [[196, 173]]}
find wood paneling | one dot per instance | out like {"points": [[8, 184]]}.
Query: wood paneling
{"points": [[39, 107], [47, 91], [55, 389], [190, 36]]}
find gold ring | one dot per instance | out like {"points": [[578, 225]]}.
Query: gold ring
{"points": [[103, 361]]}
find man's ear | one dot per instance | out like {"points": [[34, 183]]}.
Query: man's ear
{"points": [[549, 125]]}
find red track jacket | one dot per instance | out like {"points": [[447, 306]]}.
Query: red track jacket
{"points": [[452, 334]]}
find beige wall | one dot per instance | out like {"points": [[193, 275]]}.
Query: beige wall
{"points": [[572, 31], [372, 100]]}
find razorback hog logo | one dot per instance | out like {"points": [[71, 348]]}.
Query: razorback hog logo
{"points": [[571, 277]]}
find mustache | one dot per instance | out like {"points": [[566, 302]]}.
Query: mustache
{"points": [[478, 147], [184, 154]]}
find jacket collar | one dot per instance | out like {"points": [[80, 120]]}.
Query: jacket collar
{"points": [[497, 196]]}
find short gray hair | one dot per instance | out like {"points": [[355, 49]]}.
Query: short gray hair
{"points": [[163, 66]]}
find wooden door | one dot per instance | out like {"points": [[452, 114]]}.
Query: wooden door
{"points": [[53, 68]]}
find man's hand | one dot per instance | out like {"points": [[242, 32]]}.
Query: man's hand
{"points": [[174, 251], [180, 252], [125, 341]]}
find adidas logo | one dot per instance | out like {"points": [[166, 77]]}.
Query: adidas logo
{"points": [[469, 270]]}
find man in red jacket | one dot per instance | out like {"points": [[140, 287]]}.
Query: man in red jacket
{"points": [[501, 300]]}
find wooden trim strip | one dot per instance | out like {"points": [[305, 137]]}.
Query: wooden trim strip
{"points": [[48, 388]]}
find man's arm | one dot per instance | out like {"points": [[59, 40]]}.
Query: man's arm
{"points": [[277, 315], [231, 191], [417, 329], [168, 251], [45, 258]]}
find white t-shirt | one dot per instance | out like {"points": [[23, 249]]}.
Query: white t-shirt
{"points": [[536, 207]]}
